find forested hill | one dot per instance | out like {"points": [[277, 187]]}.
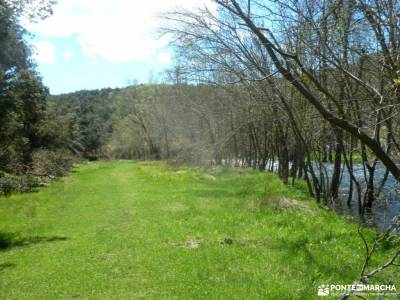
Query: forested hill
{"points": [[86, 119], [154, 121]]}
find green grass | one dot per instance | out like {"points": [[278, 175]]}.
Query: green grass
{"points": [[129, 230]]}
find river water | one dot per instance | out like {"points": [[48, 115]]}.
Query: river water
{"points": [[384, 209]]}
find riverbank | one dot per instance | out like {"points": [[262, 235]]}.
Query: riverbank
{"points": [[128, 230]]}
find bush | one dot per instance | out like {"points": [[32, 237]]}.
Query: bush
{"points": [[17, 184], [45, 166], [51, 163], [7, 184]]}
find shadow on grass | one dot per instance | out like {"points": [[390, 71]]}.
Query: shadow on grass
{"points": [[10, 240], [73, 170]]}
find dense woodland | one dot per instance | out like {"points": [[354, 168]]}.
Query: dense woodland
{"points": [[285, 86]]}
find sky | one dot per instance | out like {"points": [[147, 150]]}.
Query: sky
{"points": [[91, 44]]}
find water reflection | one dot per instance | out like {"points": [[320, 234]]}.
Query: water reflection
{"points": [[384, 209]]}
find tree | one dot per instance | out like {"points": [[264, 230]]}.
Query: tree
{"points": [[22, 94], [291, 67]]}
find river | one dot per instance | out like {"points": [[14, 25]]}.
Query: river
{"points": [[384, 209]]}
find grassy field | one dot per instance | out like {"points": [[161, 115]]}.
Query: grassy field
{"points": [[129, 230]]}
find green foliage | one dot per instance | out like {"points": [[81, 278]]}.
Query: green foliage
{"points": [[17, 184], [87, 119], [45, 166], [141, 122], [21, 131], [25, 124], [126, 230], [14, 51]]}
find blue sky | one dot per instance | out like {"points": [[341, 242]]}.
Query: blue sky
{"points": [[90, 44]]}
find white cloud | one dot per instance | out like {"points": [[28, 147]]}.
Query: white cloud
{"points": [[44, 52], [68, 54], [116, 31]]}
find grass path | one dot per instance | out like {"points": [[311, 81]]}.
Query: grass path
{"points": [[127, 230]]}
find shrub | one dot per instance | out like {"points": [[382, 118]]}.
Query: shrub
{"points": [[51, 163], [17, 184], [7, 184], [45, 166]]}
